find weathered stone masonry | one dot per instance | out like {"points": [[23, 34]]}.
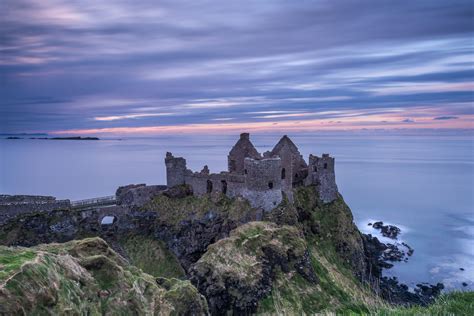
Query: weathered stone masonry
{"points": [[12, 206], [261, 180]]}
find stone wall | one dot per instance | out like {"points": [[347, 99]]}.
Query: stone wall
{"points": [[175, 170], [241, 150], [224, 182], [263, 174], [260, 180], [263, 182], [321, 173], [14, 205], [294, 168], [137, 194]]}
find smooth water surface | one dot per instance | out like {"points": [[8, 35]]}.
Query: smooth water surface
{"points": [[423, 184]]}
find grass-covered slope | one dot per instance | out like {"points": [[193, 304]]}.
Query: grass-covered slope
{"points": [[456, 303], [86, 277], [173, 211], [331, 228], [152, 256], [337, 291], [267, 268]]}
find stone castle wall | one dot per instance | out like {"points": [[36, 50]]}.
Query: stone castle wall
{"points": [[262, 181], [178, 165], [321, 174], [242, 149], [137, 194], [15, 205], [224, 182]]}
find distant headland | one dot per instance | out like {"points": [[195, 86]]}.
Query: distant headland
{"points": [[56, 138]]}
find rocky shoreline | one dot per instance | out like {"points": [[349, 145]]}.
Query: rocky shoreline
{"points": [[384, 255]]}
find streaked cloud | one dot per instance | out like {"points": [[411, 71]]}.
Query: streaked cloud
{"points": [[129, 116], [222, 119], [128, 66], [416, 88], [442, 118]]}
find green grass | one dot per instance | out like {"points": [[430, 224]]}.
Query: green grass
{"points": [[11, 260], [173, 211], [68, 278], [455, 303], [152, 256]]}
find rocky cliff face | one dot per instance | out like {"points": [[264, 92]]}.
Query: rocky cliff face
{"points": [[304, 256], [237, 272]]}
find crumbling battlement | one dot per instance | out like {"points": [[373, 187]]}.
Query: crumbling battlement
{"points": [[260, 180]]}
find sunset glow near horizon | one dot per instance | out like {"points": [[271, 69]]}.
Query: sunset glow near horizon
{"points": [[89, 68]]}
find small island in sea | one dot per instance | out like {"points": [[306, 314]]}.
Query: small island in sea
{"points": [[57, 138]]}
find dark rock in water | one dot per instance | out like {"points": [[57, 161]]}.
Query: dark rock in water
{"points": [[428, 292], [462, 269], [410, 249], [464, 284], [377, 225], [393, 253], [379, 255], [389, 231], [398, 293], [369, 224]]}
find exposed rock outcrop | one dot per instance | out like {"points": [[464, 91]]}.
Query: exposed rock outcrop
{"points": [[236, 272]]}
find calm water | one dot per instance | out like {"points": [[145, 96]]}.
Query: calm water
{"points": [[422, 184]]}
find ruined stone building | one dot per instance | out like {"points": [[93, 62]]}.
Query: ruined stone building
{"points": [[262, 180]]}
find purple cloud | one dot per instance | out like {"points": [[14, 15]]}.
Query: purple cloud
{"points": [[90, 64], [446, 118]]}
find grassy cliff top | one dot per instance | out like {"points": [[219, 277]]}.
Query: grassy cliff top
{"points": [[86, 277]]}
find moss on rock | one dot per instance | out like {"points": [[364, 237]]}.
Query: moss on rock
{"points": [[331, 227], [236, 272], [87, 277], [152, 256]]}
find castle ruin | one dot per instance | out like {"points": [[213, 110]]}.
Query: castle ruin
{"points": [[262, 180]]}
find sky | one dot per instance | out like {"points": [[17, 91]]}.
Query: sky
{"points": [[149, 67]]}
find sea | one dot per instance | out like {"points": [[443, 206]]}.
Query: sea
{"points": [[423, 184]]}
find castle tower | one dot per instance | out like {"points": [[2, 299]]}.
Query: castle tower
{"points": [[294, 168], [241, 150], [322, 175], [175, 170], [262, 182]]}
